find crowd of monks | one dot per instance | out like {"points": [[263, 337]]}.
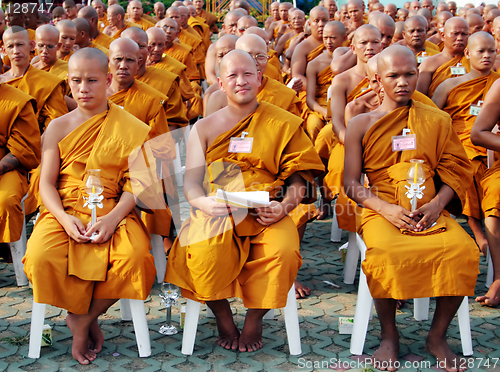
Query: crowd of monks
{"points": [[340, 102]]}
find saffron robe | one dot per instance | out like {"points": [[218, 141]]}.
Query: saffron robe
{"points": [[442, 260], [143, 23], [316, 121], [302, 95], [253, 256], [183, 54], [19, 136], [122, 267], [210, 19], [457, 106], [103, 40], [444, 72], [271, 91]]}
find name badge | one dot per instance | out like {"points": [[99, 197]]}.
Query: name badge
{"points": [[241, 144], [405, 142], [103, 25], [458, 69], [363, 90], [421, 58], [474, 109]]}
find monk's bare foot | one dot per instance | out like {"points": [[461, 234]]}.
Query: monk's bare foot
{"points": [[325, 209], [96, 337], [5, 252], [446, 358], [400, 304], [228, 332], [80, 332], [492, 297], [251, 335], [301, 291], [386, 356]]}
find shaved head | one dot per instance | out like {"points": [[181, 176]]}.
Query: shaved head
{"points": [[476, 22], [442, 17], [366, 42], [246, 22], [237, 56], [256, 47], [116, 10], [91, 57], [122, 43], [82, 25], [135, 33], [259, 32], [47, 31], [481, 51], [386, 25], [19, 32], [454, 22], [365, 30], [230, 24], [480, 37]]}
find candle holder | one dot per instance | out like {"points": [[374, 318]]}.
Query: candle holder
{"points": [[169, 296], [93, 187], [415, 178]]}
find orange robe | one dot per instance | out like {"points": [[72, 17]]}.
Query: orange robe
{"points": [[183, 53], [59, 68], [302, 95], [103, 22], [103, 40], [190, 37], [428, 51], [210, 19], [440, 261], [143, 23], [67, 57], [200, 26], [443, 72], [127, 25], [271, 91], [167, 83], [19, 136], [253, 256], [100, 47], [316, 121], [274, 60], [148, 105], [122, 267], [457, 106], [430, 45], [273, 73]]}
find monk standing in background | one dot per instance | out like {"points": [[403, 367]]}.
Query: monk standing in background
{"points": [[414, 35], [245, 250], [457, 96], [102, 19], [159, 10], [447, 263]]}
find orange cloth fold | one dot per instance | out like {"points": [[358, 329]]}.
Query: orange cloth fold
{"points": [[444, 72]]}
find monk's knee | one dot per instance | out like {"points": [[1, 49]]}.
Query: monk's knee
{"points": [[10, 203]]}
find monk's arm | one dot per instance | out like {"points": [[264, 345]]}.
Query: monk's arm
{"points": [[337, 105], [489, 115], [70, 103], [49, 174], [424, 77], [298, 64], [210, 65], [295, 192], [311, 90], [428, 213], [440, 96], [8, 163], [342, 62], [280, 45], [215, 102], [395, 214], [282, 31]]}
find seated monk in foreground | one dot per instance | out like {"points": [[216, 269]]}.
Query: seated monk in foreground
{"points": [[456, 96], [68, 266], [263, 249], [419, 253]]}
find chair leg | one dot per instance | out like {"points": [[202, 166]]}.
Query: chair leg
{"points": [[125, 309], [210, 313], [269, 315], [190, 326], [37, 319], [364, 305], [292, 323], [421, 308], [464, 326], [336, 233], [141, 328], [351, 262], [17, 250], [491, 271], [158, 252]]}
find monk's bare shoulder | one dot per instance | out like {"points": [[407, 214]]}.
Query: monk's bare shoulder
{"points": [[361, 123], [216, 101], [340, 51], [432, 63], [451, 83], [62, 126]]}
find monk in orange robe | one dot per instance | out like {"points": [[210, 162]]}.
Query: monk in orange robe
{"points": [[19, 153], [273, 69], [199, 25], [256, 248], [67, 38], [117, 22], [278, 28], [69, 266], [164, 81], [90, 14], [102, 19], [297, 22], [436, 69], [309, 49], [83, 36], [135, 12], [47, 45], [410, 253], [209, 17], [147, 105], [414, 34], [456, 96], [437, 39], [346, 86]]}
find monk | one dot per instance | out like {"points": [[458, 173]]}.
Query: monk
{"points": [[391, 10], [209, 17], [437, 39], [274, 10], [64, 258], [19, 153], [436, 69], [244, 23], [83, 36], [102, 19], [230, 24], [434, 255], [365, 44], [414, 36], [67, 38], [70, 8], [453, 7], [90, 14], [476, 23], [247, 255], [355, 9], [489, 17], [164, 81], [200, 26], [47, 45], [117, 23], [297, 22], [456, 96], [402, 14], [279, 28], [159, 10], [135, 12], [386, 26], [58, 13], [331, 5]]}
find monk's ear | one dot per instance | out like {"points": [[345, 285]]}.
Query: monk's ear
{"points": [[109, 79], [441, 34], [221, 87], [377, 77], [467, 52], [259, 77], [353, 49], [32, 45], [58, 46]]}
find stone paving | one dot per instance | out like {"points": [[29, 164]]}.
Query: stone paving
{"points": [[323, 347]]}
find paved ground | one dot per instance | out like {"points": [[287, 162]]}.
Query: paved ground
{"points": [[322, 344]]}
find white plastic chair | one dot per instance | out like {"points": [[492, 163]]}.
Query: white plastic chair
{"points": [[291, 324], [130, 310], [158, 253], [336, 232], [364, 306], [17, 250], [351, 260]]}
